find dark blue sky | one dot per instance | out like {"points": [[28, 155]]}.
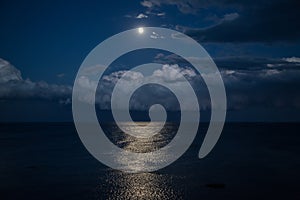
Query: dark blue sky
{"points": [[44, 39], [48, 40]]}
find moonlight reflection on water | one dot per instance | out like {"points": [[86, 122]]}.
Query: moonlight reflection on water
{"points": [[145, 143], [120, 185]]}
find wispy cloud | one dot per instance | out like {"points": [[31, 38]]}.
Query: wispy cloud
{"points": [[184, 6], [292, 59], [147, 4], [248, 22], [230, 16], [141, 16]]}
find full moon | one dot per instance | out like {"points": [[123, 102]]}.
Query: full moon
{"points": [[141, 30]]}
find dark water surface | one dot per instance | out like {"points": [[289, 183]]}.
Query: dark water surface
{"points": [[250, 161]]}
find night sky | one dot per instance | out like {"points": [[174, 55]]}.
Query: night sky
{"points": [[255, 44]]}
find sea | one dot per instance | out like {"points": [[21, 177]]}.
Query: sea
{"points": [[250, 161]]}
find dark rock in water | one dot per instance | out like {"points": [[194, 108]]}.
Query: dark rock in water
{"points": [[215, 185]]}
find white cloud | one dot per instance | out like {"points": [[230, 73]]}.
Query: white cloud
{"points": [[155, 35], [230, 16], [12, 85], [161, 14], [173, 73], [229, 72], [292, 59], [86, 83], [275, 65], [8, 72], [147, 4], [244, 87], [141, 16], [167, 74], [271, 72]]}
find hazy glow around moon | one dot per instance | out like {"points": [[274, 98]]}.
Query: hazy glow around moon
{"points": [[141, 30]]}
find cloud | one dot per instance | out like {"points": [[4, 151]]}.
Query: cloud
{"points": [[269, 88], [274, 65], [249, 82], [141, 16], [184, 6], [155, 35], [167, 74], [148, 13], [237, 62], [13, 86], [8, 72], [249, 22], [252, 82], [292, 59], [161, 14], [173, 73], [261, 87], [230, 16], [147, 4], [215, 19]]}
